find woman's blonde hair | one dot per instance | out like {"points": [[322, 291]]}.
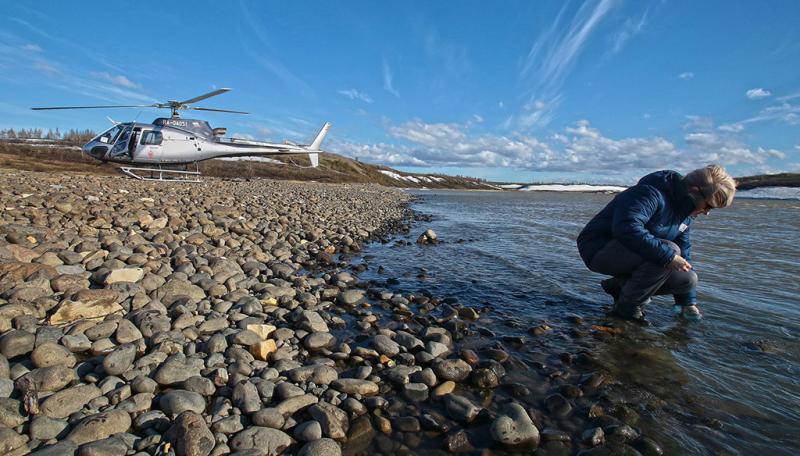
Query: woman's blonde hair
{"points": [[711, 184]]}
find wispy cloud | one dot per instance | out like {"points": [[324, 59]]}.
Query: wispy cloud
{"points": [[686, 75], [755, 94], [265, 58], [630, 28], [355, 94], [387, 79], [117, 79], [554, 53], [31, 47]]}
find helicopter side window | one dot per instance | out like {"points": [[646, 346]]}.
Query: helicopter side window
{"points": [[110, 136], [152, 138]]}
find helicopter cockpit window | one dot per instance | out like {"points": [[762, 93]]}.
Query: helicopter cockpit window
{"points": [[110, 136], [152, 138]]}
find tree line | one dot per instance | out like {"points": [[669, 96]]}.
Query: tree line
{"points": [[71, 136]]}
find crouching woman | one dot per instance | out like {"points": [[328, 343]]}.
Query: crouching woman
{"points": [[642, 238]]}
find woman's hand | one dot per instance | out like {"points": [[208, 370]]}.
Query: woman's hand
{"points": [[679, 264]]}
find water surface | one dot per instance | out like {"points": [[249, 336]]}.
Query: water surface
{"points": [[728, 384]]}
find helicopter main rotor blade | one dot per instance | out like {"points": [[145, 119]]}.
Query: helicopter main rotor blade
{"points": [[203, 97], [94, 107], [218, 110]]}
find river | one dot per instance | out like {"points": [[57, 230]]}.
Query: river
{"points": [[726, 385]]}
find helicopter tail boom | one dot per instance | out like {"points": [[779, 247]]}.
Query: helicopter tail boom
{"points": [[320, 136]]}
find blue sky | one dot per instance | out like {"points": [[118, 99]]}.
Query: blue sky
{"points": [[598, 91]]}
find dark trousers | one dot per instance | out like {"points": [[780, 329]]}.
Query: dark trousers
{"points": [[638, 279]]}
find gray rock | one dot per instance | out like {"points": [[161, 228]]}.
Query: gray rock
{"points": [[460, 408], [76, 344], [127, 332], [176, 402], [456, 370], [437, 349], [10, 440], [270, 442], [229, 425], [190, 435], [333, 420], [286, 390], [143, 384], [294, 404], [356, 386], [321, 447], [245, 397], [415, 392], [319, 340], [385, 345], [52, 354], [100, 426], [350, 298], [120, 359], [16, 343], [6, 387], [515, 427], [62, 448], [317, 374], [111, 446], [308, 431], [11, 413], [200, 385], [4, 368], [53, 378], [408, 340], [45, 428], [176, 369], [66, 402], [269, 417], [312, 322]]}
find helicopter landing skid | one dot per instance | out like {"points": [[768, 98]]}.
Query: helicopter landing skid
{"points": [[159, 174]]}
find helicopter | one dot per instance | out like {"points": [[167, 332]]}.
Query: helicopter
{"points": [[164, 149]]}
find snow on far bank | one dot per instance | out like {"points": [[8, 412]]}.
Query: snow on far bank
{"points": [[414, 179], [770, 193], [570, 188]]}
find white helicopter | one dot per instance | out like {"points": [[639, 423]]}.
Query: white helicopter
{"points": [[167, 146]]}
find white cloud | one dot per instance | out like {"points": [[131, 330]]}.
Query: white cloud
{"points": [[630, 28], [731, 128], [477, 118], [354, 94], [686, 75], [755, 94], [387, 79], [576, 149], [118, 79], [32, 47], [698, 122], [553, 55]]}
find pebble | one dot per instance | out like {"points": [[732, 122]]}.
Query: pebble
{"points": [[515, 427], [308, 431], [456, 370], [100, 426], [321, 447], [355, 386], [176, 402], [268, 441], [190, 435], [460, 408]]}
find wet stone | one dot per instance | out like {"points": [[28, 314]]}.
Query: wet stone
{"points": [[456, 370], [460, 408], [558, 405], [515, 427], [415, 392]]}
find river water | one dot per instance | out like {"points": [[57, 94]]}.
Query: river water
{"points": [[726, 385]]}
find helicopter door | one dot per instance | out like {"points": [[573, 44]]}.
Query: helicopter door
{"points": [[151, 146]]}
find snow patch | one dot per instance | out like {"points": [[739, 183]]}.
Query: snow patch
{"points": [[572, 188], [770, 193]]}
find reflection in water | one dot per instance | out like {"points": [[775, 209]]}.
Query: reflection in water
{"points": [[727, 384]]}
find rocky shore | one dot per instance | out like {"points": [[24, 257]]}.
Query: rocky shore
{"points": [[226, 317]]}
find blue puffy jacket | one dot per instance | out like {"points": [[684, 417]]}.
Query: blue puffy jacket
{"points": [[657, 207]]}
